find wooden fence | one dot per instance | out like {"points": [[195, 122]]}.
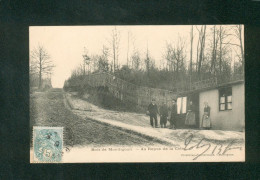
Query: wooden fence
{"points": [[140, 95], [124, 90]]}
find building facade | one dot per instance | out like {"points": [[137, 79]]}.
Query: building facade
{"points": [[227, 105]]}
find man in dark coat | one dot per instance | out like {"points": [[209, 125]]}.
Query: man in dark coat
{"points": [[163, 115], [153, 111], [173, 115]]}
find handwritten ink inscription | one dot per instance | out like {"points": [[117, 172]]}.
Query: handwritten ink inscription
{"points": [[209, 148]]}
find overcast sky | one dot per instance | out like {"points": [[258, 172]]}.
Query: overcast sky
{"points": [[65, 44]]}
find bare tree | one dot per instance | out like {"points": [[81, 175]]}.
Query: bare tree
{"points": [[147, 61], [130, 43], [134, 50], [191, 44], [221, 49], [41, 62], [223, 34], [86, 61], [103, 64], [168, 56], [213, 58], [201, 47], [239, 33], [94, 62], [179, 56], [115, 41], [105, 53], [127, 57], [136, 60], [175, 56]]}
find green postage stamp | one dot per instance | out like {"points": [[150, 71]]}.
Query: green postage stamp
{"points": [[47, 144]]}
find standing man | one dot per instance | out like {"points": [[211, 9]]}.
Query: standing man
{"points": [[163, 115], [173, 115], [153, 111]]}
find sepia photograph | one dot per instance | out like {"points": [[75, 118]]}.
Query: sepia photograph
{"points": [[137, 93]]}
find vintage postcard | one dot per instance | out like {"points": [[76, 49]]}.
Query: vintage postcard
{"points": [[169, 93]]}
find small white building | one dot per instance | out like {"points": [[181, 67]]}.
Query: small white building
{"points": [[227, 105]]}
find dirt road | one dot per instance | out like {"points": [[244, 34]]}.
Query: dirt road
{"points": [[49, 109]]}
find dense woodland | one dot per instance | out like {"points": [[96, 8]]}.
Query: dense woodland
{"points": [[208, 51]]}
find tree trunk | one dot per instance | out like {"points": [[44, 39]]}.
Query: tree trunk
{"points": [[212, 68], [197, 60], [241, 46], [40, 73], [201, 50], [191, 50], [127, 49], [40, 78], [114, 52], [220, 49], [177, 66]]}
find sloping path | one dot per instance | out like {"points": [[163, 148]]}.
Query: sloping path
{"points": [[139, 123]]}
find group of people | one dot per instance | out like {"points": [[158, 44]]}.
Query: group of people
{"points": [[165, 114], [170, 114]]}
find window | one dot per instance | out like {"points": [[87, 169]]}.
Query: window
{"points": [[225, 99], [181, 105]]}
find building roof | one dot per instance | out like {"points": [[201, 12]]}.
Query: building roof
{"points": [[210, 84]]}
